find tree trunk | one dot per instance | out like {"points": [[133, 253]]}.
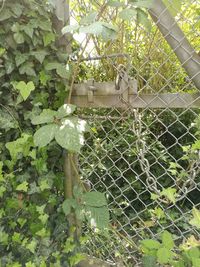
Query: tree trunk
{"points": [[173, 34]]}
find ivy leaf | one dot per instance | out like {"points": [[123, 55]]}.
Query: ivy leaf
{"points": [[39, 55], [19, 37], [25, 88], [170, 194], [5, 14], [28, 69], [195, 262], [20, 59], [94, 28], [46, 116], [164, 255], [7, 121], [62, 72], [32, 246], [149, 261], [48, 38], [65, 110], [45, 135], [128, 14], [70, 134], [94, 199], [196, 218], [167, 240], [22, 187]]}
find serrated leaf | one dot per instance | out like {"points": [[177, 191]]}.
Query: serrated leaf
{"points": [[65, 110], [196, 218], [22, 187], [94, 199], [90, 18], [97, 217], [149, 261], [164, 255], [151, 244], [25, 88], [70, 29], [70, 134], [167, 240], [45, 135], [128, 14], [46, 116]]}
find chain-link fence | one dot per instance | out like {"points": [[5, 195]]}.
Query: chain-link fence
{"points": [[142, 105]]}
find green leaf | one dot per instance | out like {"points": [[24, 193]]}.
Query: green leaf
{"points": [[151, 244], [39, 55], [128, 14], [90, 18], [195, 262], [67, 205], [149, 261], [196, 218], [70, 134], [31, 246], [5, 14], [45, 135], [25, 88], [28, 29], [115, 3], [97, 217], [70, 29], [65, 110], [2, 191], [7, 121], [44, 78], [164, 255], [22, 187], [48, 38], [142, 4], [62, 71], [27, 68], [19, 37], [170, 194], [167, 240], [52, 66], [143, 19], [46, 116], [94, 28], [20, 59], [94, 199]]}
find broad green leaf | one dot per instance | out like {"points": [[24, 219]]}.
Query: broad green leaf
{"points": [[170, 194], [44, 78], [27, 68], [167, 240], [70, 29], [151, 244], [62, 71], [28, 29], [44, 184], [128, 14], [2, 190], [140, 4], [67, 205], [94, 199], [19, 37], [52, 66], [25, 88], [195, 262], [97, 217], [194, 253], [149, 261], [20, 59], [196, 218], [90, 18], [17, 9], [94, 28], [115, 3], [45, 135], [32, 246], [39, 55], [22, 187], [143, 19], [65, 110], [43, 218], [5, 14], [196, 145], [46, 116], [70, 134], [164, 255], [7, 122]]}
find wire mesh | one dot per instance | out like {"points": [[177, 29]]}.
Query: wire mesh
{"points": [[141, 157]]}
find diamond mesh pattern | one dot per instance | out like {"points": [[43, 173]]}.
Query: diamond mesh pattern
{"points": [[132, 154]]}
